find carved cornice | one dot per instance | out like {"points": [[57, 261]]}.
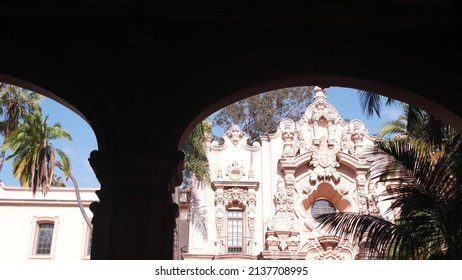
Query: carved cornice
{"points": [[329, 248], [240, 184]]}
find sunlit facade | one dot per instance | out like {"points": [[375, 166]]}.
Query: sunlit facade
{"points": [[263, 197], [261, 203], [48, 227]]}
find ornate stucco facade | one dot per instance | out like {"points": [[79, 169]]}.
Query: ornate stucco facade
{"points": [[263, 196]]}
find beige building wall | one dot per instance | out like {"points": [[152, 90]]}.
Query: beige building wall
{"points": [[20, 216]]}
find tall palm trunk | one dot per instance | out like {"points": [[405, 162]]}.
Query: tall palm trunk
{"points": [[79, 201], [2, 159], [79, 198]]}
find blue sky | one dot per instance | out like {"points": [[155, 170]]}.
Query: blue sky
{"points": [[83, 142], [347, 103], [345, 100]]}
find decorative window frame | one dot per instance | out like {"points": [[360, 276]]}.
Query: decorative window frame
{"points": [[234, 196], [341, 202], [35, 230]]}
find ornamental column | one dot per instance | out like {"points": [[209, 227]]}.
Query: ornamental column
{"points": [[135, 215]]}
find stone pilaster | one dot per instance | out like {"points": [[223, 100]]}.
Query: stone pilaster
{"points": [[361, 184], [135, 215]]}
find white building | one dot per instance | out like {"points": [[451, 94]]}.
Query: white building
{"points": [[263, 197], [50, 227]]}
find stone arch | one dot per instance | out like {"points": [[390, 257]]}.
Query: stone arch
{"points": [[363, 46], [61, 97]]}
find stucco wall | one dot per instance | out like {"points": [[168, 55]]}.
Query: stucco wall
{"points": [[20, 211]]}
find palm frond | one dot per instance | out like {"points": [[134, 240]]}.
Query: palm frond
{"points": [[195, 149], [370, 102], [34, 158], [198, 210], [381, 239]]}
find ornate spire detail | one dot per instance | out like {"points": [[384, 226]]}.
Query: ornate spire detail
{"points": [[324, 164], [280, 198], [235, 134], [288, 131], [319, 95], [357, 135]]}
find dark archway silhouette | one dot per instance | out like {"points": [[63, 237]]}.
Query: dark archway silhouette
{"points": [[127, 67]]}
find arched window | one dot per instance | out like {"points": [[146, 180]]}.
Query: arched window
{"points": [[322, 206], [44, 235], [44, 238]]}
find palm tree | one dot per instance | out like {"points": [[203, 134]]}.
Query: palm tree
{"points": [[396, 127], [196, 172], [14, 103], [422, 171], [34, 157], [57, 182], [414, 122], [372, 102]]}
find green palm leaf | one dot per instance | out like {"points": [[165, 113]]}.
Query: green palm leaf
{"points": [[34, 157]]}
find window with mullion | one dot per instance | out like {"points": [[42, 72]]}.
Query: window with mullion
{"points": [[235, 231], [44, 239]]}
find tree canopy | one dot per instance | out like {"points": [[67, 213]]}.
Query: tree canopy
{"points": [[15, 102], [260, 114]]}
